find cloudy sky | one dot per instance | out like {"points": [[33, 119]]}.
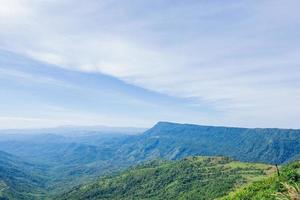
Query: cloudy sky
{"points": [[136, 62]]}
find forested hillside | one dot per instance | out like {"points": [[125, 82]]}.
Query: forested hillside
{"points": [[190, 178], [67, 161], [175, 141], [20, 180]]}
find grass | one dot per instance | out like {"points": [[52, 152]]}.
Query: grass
{"points": [[271, 188]]}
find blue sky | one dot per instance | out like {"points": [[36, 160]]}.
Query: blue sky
{"points": [[133, 63]]}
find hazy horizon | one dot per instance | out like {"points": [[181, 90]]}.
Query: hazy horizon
{"points": [[118, 128]]}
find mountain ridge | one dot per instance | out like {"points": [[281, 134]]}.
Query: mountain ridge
{"points": [[169, 123], [269, 145]]}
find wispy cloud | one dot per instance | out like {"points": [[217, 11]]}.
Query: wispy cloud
{"points": [[239, 58]]}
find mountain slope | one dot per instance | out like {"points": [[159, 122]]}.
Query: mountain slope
{"points": [[190, 178], [175, 141], [69, 160], [274, 187], [20, 180]]}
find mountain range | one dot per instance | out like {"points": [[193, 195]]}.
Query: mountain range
{"points": [[57, 161]]}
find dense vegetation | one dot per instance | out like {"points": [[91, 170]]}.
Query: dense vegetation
{"points": [[20, 180], [283, 187], [190, 178]]}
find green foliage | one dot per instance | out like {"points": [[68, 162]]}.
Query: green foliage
{"points": [[271, 188], [190, 178]]}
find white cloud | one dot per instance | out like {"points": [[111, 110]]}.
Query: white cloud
{"points": [[241, 58], [13, 9]]}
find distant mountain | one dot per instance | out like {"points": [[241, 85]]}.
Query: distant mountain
{"points": [[73, 131], [190, 178], [68, 161], [20, 180], [175, 141]]}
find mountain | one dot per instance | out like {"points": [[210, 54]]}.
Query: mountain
{"points": [[190, 178], [20, 180], [176, 141], [286, 186], [165, 140], [69, 160], [74, 131]]}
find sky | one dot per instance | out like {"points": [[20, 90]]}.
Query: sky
{"points": [[135, 62]]}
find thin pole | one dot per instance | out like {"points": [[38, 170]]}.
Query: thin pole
{"points": [[278, 173]]}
